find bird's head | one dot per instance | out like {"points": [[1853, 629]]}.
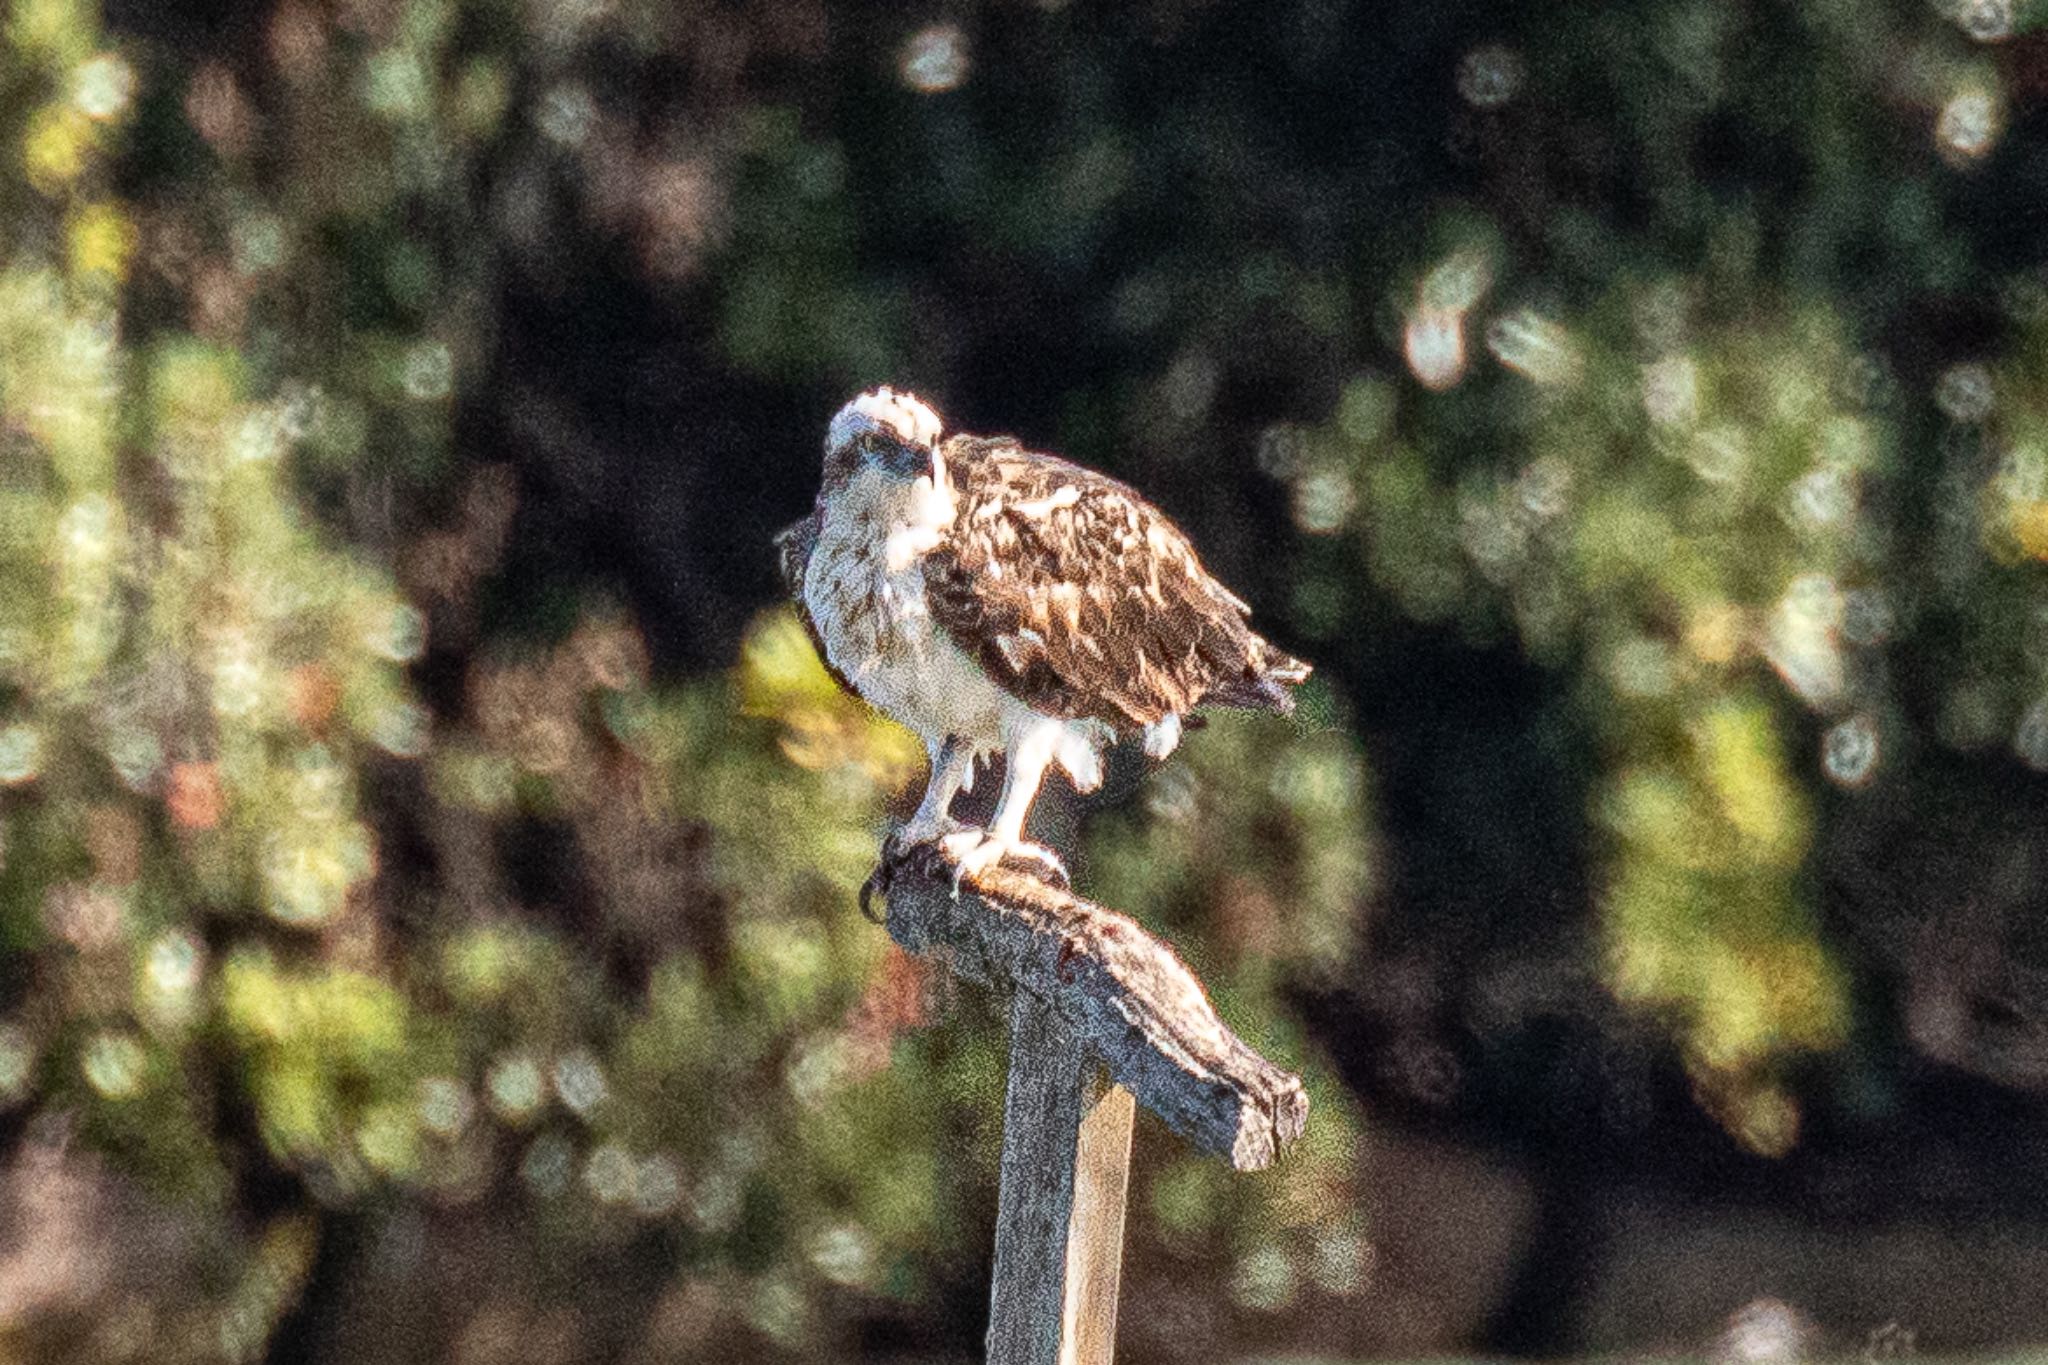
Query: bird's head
{"points": [[892, 432]]}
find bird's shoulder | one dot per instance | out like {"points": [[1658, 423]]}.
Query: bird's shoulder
{"points": [[1003, 466], [1038, 510]]}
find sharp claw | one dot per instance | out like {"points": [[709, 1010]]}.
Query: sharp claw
{"points": [[877, 882], [1044, 861], [896, 846], [964, 847], [974, 851], [960, 843]]}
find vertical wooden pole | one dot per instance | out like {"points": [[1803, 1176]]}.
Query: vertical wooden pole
{"points": [[1095, 1233], [1060, 1212]]}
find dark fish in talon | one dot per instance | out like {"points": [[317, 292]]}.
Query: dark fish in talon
{"points": [[996, 600]]}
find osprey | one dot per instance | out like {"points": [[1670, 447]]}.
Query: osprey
{"points": [[996, 600]]}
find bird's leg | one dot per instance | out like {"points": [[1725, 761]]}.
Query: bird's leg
{"points": [[1030, 753], [952, 768]]}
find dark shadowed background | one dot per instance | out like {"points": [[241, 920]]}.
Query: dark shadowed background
{"points": [[428, 844]]}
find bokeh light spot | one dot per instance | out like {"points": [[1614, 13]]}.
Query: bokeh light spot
{"points": [[1323, 502], [176, 959], [547, 1165], [1823, 498], [258, 438], [1764, 1332], [566, 114], [17, 1062], [1457, 283], [1641, 667], [1534, 347], [817, 1067], [1719, 455], [779, 1311], [1263, 1279], [445, 1105], [1340, 1259], [21, 754], [1986, 21], [1490, 76], [1968, 126], [608, 1173], [657, 1185], [715, 1202], [1964, 393], [396, 86], [2030, 737], [515, 1085], [103, 87], [844, 1255], [1281, 451], [1173, 795], [1892, 1341], [1867, 616], [935, 59], [1433, 343], [401, 728], [429, 371], [1849, 751], [579, 1080], [113, 1063], [136, 756], [258, 241]]}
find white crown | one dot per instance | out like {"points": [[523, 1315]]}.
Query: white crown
{"points": [[899, 414]]}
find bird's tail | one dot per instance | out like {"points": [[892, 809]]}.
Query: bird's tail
{"points": [[1265, 682]]}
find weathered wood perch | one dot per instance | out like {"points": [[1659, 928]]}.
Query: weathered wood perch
{"points": [[1090, 992], [1127, 997]]}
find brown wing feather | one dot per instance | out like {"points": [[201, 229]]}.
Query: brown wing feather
{"points": [[1082, 599], [793, 546]]}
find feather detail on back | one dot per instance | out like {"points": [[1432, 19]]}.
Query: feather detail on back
{"points": [[1081, 599]]}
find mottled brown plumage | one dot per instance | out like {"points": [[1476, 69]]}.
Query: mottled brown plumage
{"points": [[1082, 599], [997, 600]]}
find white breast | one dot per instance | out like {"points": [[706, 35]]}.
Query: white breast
{"points": [[864, 587]]}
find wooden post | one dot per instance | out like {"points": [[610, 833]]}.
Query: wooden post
{"points": [[1092, 993], [1095, 1234], [1060, 1212]]}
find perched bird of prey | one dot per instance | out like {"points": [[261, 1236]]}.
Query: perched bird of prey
{"points": [[996, 600]]}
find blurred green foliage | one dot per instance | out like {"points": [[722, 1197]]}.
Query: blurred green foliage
{"points": [[288, 791], [200, 682]]}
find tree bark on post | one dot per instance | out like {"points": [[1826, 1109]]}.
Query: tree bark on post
{"points": [[1103, 1016]]}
